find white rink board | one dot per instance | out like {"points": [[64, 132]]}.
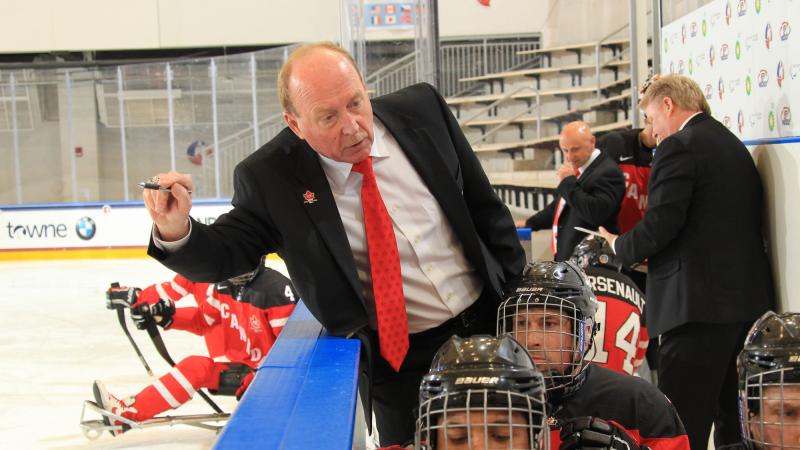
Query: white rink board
{"points": [[114, 225]]}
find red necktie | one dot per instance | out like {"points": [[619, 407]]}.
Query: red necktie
{"points": [[384, 265], [559, 208]]}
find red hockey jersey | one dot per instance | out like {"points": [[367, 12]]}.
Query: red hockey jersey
{"points": [[621, 341], [240, 323]]}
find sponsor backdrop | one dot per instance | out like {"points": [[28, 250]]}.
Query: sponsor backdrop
{"points": [[744, 55], [86, 226]]}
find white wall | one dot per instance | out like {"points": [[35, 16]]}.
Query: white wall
{"points": [[779, 165], [49, 25]]}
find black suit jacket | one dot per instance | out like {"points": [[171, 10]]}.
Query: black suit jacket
{"points": [[591, 201], [272, 214], [702, 232]]}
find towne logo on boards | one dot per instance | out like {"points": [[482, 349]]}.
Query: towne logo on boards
{"points": [[85, 229]]}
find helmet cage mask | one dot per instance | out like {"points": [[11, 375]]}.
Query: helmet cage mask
{"points": [[770, 405], [549, 318], [769, 382], [516, 418]]}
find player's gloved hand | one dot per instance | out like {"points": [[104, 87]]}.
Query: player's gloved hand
{"points": [[121, 296], [160, 312], [149, 295], [595, 433], [245, 384]]}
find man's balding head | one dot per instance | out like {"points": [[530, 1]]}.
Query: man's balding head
{"points": [[577, 143], [326, 103]]}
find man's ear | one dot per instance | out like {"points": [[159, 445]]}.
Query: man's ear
{"points": [[292, 122]]}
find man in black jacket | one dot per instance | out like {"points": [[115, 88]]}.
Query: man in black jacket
{"points": [[709, 277], [300, 195], [589, 193]]}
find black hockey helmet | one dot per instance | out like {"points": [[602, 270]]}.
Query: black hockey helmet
{"points": [[547, 289], [769, 381], [596, 252], [477, 378], [245, 278]]}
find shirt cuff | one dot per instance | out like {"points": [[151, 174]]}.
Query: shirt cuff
{"points": [[170, 247], [614, 241]]}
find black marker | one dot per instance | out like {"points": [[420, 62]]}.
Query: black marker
{"points": [[155, 186]]}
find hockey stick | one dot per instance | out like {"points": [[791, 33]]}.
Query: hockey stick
{"points": [[158, 342], [120, 308]]}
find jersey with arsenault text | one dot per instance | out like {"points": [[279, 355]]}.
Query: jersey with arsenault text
{"points": [[621, 340]]}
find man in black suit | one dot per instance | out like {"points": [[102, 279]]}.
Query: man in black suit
{"points": [[300, 196], [589, 193], [709, 277]]}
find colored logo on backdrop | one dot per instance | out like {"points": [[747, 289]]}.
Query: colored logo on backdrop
{"points": [[728, 13], [763, 78], [727, 122], [758, 6], [741, 8], [672, 67], [85, 228], [691, 66], [683, 34], [771, 121], [666, 45], [780, 74], [693, 29], [721, 88], [704, 27], [723, 52], [709, 91], [738, 50], [680, 66], [786, 116], [748, 85], [784, 30], [768, 35], [740, 121], [711, 55]]}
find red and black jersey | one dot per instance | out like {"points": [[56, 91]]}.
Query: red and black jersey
{"points": [[635, 160], [621, 340], [633, 403], [250, 316]]}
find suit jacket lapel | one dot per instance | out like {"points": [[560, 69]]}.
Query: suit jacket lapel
{"points": [[315, 193]]}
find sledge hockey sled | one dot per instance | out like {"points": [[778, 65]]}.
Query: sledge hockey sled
{"points": [[92, 429]]}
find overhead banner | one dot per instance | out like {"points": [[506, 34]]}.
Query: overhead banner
{"points": [[91, 226], [745, 58]]}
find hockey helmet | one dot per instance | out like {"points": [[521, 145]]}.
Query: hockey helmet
{"points": [[550, 310], [769, 382], [596, 252], [481, 387]]}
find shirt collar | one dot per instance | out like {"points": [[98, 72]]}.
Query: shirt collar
{"points": [[338, 172], [589, 161], [687, 120]]}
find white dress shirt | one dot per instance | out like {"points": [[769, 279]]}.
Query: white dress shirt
{"points": [[438, 281]]}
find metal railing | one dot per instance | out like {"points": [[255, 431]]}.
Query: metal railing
{"points": [[233, 149], [537, 105], [457, 61], [530, 198]]}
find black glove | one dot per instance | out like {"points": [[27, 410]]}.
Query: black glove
{"points": [[160, 312], [595, 433], [121, 296]]}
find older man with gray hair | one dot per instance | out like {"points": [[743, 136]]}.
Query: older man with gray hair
{"points": [[709, 278]]}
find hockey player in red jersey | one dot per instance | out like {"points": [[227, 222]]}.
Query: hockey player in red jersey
{"points": [[621, 340], [550, 310], [247, 311]]}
